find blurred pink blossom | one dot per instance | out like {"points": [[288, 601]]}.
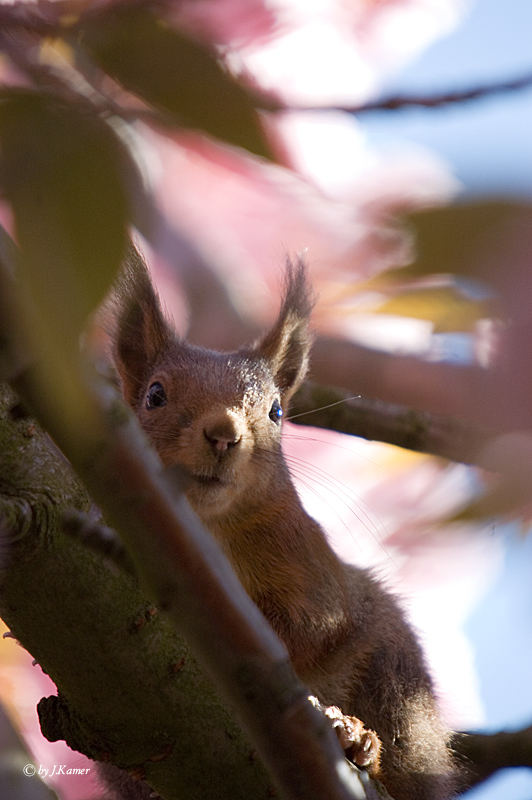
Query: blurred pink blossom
{"points": [[323, 51], [333, 196]]}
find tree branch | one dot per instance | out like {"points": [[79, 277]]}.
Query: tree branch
{"points": [[102, 611], [483, 754], [190, 579], [439, 388], [402, 101], [143, 644], [335, 409], [48, 18]]}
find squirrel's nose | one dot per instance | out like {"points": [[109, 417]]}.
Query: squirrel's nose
{"points": [[222, 436]]}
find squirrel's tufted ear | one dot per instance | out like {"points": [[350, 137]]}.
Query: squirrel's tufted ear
{"points": [[287, 345], [140, 331]]}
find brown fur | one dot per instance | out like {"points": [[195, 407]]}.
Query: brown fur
{"points": [[347, 637]]}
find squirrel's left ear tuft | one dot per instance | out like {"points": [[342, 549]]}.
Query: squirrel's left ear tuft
{"points": [[140, 331], [287, 345]]}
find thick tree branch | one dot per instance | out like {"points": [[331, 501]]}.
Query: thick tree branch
{"points": [[436, 434], [192, 583], [102, 611], [128, 687], [80, 608], [191, 580]]}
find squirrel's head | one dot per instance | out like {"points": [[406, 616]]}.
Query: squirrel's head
{"points": [[216, 415]]}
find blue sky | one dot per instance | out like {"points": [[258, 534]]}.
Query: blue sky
{"points": [[488, 145], [487, 142]]}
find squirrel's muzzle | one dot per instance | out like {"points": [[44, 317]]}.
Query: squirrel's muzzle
{"points": [[222, 435]]}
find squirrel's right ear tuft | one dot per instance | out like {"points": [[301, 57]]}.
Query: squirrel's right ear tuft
{"points": [[139, 331], [287, 345]]}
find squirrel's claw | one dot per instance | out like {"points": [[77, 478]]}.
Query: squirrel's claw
{"points": [[361, 745]]}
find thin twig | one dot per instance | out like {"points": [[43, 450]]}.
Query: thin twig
{"points": [[400, 101], [47, 18], [393, 103]]}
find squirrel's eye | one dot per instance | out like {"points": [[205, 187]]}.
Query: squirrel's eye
{"points": [[276, 412], [156, 396]]}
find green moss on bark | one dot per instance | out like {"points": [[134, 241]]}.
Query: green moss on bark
{"points": [[128, 688]]}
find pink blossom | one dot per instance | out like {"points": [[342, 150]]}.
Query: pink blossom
{"points": [[324, 51]]}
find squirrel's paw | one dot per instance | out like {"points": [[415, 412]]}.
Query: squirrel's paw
{"points": [[361, 745]]}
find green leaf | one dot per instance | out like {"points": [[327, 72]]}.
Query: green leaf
{"points": [[466, 265], [175, 74], [457, 239], [62, 170]]}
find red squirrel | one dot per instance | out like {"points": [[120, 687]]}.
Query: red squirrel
{"points": [[219, 417]]}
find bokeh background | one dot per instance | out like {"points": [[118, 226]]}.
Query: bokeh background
{"points": [[487, 146], [343, 184]]}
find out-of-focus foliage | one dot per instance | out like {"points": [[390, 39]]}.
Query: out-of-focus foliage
{"points": [[174, 73], [459, 274], [454, 239], [62, 171]]}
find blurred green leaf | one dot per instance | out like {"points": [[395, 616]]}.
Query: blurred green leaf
{"points": [[456, 239], [468, 260], [62, 170], [175, 74]]}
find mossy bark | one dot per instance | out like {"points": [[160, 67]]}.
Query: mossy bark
{"points": [[128, 689]]}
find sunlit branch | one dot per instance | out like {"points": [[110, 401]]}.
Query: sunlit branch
{"points": [[373, 419], [483, 754]]}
